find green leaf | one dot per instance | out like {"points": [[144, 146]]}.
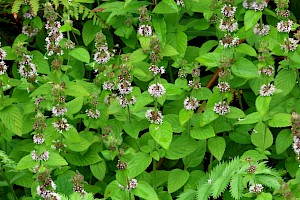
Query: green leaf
{"points": [[203, 133], [80, 54], [160, 27], [178, 41], [42, 65], [264, 196], [168, 50], [280, 120], [165, 7], [162, 134], [138, 164], [86, 159], [25, 163], [137, 56], [112, 189], [89, 31], [99, 170], [216, 146], [195, 158], [251, 18], [285, 80], [207, 46], [244, 68], [76, 90], [185, 115], [75, 105], [75, 142], [133, 128], [209, 59], [252, 118], [283, 140], [262, 105], [180, 147], [11, 117], [145, 191], [63, 184], [55, 160], [235, 113], [246, 49], [177, 178], [207, 117], [261, 136]]}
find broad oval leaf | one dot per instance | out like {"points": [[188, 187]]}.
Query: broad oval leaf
{"points": [[177, 178], [216, 146], [80, 54], [162, 134]]}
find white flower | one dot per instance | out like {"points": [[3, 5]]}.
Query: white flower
{"points": [[296, 145], [61, 124], [59, 110], [229, 41], [228, 10], [132, 184], [221, 108], [124, 87], [145, 30], [223, 87], [191, 103], [95, 114], [3, 67], [154, 117], [156, 90], [257, 188], [2, 54], [38, 139], [285, 26], [267, 90], [228, 25], [290, 44], [102, 56], [261, 30]]}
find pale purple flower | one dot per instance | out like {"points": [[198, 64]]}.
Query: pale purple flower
{"points": [[61, 124], [261, 30], [155, 117], [145, 30], [3, 67], [228, 10], [2, 54], [290, 44], [190, 103], [156, 90], [223, 87], [221, 108], [95, 114], [285, 26], [267, 90], [257, 188]]}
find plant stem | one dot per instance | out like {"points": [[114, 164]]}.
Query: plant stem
{"points": [[9, 185], [154, 174], [240, 99], [210, 162], [129, 114]]}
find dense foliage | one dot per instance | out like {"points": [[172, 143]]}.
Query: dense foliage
{"points": [[123, 100]]}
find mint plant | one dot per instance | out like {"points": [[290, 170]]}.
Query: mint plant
{"points": [[149, 99]]}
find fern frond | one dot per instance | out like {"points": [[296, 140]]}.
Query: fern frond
{"points": [[6, 161], [35, 5], [232, 167], [203, 191], [219, 186], [16, 6], [187, 195], [268, 180], [236, 186], [217, 171]]}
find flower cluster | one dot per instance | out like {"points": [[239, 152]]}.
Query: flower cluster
{"points": [[27, 69], [290, 44], [102, 55], [267, 90], [54, 36], [3, 66], [255, 5], [156, 90], [61, 125], [221, 108], [295, 119], [157, 70], [46, 188], [58, 145], [43, 156], [256, 188], [154, 116], [122, 165], [78, 180], [269, 71], [29, 30], [131, 185], [145, 28], [223, 87], [180, 3], [194, 85], [261, 29], [190, 103], [229, 25]]}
